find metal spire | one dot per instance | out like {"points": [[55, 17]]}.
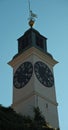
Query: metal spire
{"points": [[29, 4], [32, 16]]}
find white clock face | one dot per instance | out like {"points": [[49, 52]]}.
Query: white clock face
{"points": [[43, 74], [23, 75]]}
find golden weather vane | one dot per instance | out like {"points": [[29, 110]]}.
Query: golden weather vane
{"points": [[32, 16]]}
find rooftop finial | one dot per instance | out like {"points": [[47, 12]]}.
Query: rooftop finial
{"points": [[32, 16]]}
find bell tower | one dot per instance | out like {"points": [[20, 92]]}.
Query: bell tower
{"points": [[33, 77]]}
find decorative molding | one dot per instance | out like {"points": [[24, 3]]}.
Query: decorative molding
{"points": [[32, 51]]}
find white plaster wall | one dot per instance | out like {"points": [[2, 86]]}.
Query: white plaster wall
{"points": [[24, 92], [35, 94], [26, 107], [46, 92], [49, 111]]}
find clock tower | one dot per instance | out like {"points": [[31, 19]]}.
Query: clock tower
{"points": [[33, 77]]}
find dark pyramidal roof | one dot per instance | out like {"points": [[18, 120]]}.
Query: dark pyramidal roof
{"points": [[32, 37]]}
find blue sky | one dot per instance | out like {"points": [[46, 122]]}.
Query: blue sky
{"points": [[52, 22]]}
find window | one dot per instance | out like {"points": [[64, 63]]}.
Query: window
{"points": [[24, 43], [39, 42]]}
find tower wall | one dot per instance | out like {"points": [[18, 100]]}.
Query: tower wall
{"points": [[35, 93]]}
